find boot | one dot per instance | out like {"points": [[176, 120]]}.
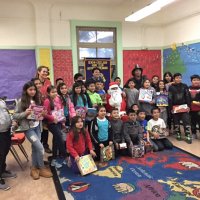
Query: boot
{"points": [[178, 132], [188, 137], [35, 173], [45, 172]]}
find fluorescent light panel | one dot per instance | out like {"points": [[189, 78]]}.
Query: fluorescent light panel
{"points": [[148, 10]]}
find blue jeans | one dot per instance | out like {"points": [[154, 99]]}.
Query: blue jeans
{"points": [[34, 137]]}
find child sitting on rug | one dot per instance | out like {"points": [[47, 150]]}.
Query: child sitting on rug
{"points": [[117, 130], [133, 132], [101, 132], [157, 130], [78, 142]]}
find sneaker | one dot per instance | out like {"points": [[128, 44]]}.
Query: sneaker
{"points": [[35, 173], [3, 185], [47, 150], [45, 172], [55, 164], [8, 174]]}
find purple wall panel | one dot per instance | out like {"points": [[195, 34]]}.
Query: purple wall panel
{"points": [[16, 68]]}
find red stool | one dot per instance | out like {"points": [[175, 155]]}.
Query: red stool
{"points": [[18, 139]]}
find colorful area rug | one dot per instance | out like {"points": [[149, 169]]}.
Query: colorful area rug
{"points": [[171, 175]]}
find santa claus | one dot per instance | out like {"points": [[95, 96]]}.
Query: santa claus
{"points": [[114, 98]]}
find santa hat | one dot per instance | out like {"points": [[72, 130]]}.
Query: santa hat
{"points": [[113, 85]]}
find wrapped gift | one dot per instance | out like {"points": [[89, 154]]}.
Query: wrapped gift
{"points": [[145, 95], [59, 115], [107, 153], [81, 111], [137, 151], [162, 100], [36, 113], [86, 165], [180, 108]]}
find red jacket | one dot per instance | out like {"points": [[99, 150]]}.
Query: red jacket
{"points": [[57, 106], [77, 148]]}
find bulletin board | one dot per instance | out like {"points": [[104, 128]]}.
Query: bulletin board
{"points": [[17, 67], [149, 60]]}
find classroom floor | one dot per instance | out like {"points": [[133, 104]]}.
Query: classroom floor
{"points": [[24, 188]]}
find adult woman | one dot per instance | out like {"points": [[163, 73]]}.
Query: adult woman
{"points": [[42, 74]]}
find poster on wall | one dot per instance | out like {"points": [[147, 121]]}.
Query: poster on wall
{"points": [[103, 64]]}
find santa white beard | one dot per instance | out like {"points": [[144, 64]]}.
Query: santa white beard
{"points": [[115, 98]]}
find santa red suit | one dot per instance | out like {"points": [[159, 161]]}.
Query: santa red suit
{"points": [[114, 98]]}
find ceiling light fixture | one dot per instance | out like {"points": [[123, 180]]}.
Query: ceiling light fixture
{"points": [[148, 10]]}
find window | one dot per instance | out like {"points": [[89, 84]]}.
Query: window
{"points": [[96, 42]]}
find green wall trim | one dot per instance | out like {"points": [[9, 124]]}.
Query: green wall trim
{"points": [[113, 24]]}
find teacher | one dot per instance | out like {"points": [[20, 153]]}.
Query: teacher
{"points": [[42, 74]]}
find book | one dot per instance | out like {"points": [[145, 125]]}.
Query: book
{"points": [[162, 100], [36, 113], [11, 105], [59, 115], [86, 165], [81, 111], [180, 108], [107, 153], [145, 95], [91, 114]]}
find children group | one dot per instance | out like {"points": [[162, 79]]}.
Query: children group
{"points": [[123, 116]]}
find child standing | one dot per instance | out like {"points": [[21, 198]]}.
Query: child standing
{"points": [[101, 132], [100, 90], [154, 81], [131, 94], [53, 103], [147, 105], [157, 130], [168, 79], [117, 129], [68, 106], [33, 129], [179, 95], [194, 90], [133, 132], [5, 142], [78, 142], [162, 91], [78, 98], [118, 81], [94, 97]]}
